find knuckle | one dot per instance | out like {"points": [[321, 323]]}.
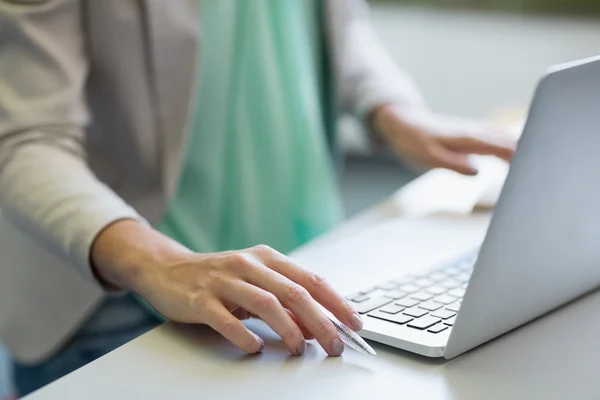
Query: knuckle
{"points": [[239, 262], [289, 335], [317, 280], [324, 327], [263, 249], [227, 326], [265, 301], [238, 259], [295, 293], [196, 299]]}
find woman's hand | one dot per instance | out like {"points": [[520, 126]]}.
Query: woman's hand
{"points": [[426, 140], [220, 288]]}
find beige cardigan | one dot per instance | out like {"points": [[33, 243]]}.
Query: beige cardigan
{"points": [[94, 101]]}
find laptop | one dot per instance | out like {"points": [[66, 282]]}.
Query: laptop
{"points": [[542, 246]]}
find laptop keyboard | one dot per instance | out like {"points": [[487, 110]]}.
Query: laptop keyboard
{"points": [[427, 302]]}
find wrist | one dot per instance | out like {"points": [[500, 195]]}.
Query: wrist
{"points": [[126, 254], [381, 117], [391, 121], [388, 119]]}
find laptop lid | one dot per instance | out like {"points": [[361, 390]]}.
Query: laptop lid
{"points": [[542, 247]]}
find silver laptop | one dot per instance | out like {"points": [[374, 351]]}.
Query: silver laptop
{"points": [[541, 249]]}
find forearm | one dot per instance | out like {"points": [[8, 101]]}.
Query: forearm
{"points": [[48, 191], [126, 252]]}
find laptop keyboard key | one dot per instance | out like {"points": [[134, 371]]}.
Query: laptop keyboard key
{"points": [[409, 288], [372, 304], [444, 299], [453, 307], [450, 321], [391, 309], [395, 294], [437, 276], [443, 314], [407, 302], [396, 318], [422, 296], [423, 282], [430, 306], [438, 328], [360, 298], [387, 286], [404, 280], [458, 292], [423, 322], [453, 270], [450, 283], [436, 290], [367, 291], [415, 312]]}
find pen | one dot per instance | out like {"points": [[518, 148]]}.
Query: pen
{"points": [[352, 338]]}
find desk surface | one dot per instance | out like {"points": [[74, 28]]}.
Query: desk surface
{"points": [[555, 357]]}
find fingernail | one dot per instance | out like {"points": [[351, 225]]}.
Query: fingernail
{"points": [[262, 346], [301, 349], [337, 347], [356, 322]]}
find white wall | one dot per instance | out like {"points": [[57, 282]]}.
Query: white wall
{"points": [[475, 64]]}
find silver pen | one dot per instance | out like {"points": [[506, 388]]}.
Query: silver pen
{"points": [[352, 338]]}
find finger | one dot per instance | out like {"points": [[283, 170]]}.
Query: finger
{"points": [[299, 301], [318, 288], [308, 312], [474, 145], [305, 332], [268, 308], [441, 157], [232, 329]]}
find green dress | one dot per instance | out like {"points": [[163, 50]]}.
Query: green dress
{"points": [[259, 168]]}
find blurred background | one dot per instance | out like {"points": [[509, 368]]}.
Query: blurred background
{"points": [[474, 58]]}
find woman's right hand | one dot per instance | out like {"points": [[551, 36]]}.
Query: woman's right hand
{"points": [[220, 288]]}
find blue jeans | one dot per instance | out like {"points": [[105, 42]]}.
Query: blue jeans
{"points": [[116, 322]]}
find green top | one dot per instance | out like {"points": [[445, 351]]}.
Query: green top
{"points": [[258, 167]]}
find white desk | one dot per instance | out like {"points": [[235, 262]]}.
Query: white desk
{"points": [[556, 357]]}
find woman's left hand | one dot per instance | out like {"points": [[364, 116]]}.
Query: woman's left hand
{"points": [[426, 140]]}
